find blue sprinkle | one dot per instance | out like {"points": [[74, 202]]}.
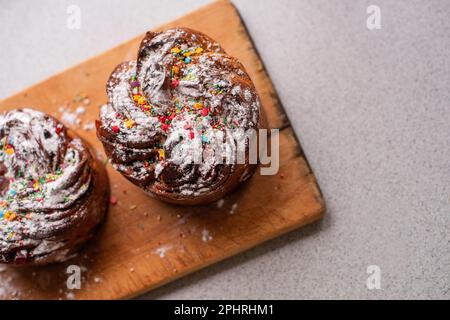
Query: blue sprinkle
{"points": [[1, 213], [187, 60], [12, 192], [204, 138]]}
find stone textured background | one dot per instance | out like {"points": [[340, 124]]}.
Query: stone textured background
{"points": [[371, 108]]}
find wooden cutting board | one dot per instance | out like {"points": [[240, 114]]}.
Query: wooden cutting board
{"points": [[146, 243]]}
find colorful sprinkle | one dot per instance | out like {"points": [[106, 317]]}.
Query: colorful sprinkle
{"points": [[175, 50], [115, 129], [187, 60], [162, 154], [10, 215], [9, 149], [175, 83], [36, 185], [113, 200], [205, 112], [141, 100], [175, 70], [129, 123]]}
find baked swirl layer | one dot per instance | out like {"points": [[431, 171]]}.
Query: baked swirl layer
{"points": [[52, 191], [181, 98]]}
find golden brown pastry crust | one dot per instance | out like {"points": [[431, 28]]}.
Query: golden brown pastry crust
{"points": [[182, 89]]}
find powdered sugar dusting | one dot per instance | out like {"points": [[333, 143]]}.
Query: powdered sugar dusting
{"points": [[206, 235], [220, 203], [233, 208], [161, 251]]}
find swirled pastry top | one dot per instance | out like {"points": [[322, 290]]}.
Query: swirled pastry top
{"points": [[43, 175], [182, 89]]}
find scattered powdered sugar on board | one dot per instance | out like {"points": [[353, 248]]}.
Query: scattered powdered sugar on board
{"points": [[161, 251], [72, 111], [206, 236], [89, 126], [70, 118], [80, 110], [233, 208], [70, 296], [220, 203]]}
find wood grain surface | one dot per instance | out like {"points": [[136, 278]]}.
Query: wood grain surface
{"points": [[146, 243]]}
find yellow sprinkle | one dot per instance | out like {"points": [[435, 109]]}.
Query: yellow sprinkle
{"points": [[136, 97], [10, 215], [198, 50], [36, 185], [187, 53], [141, 100], [129, 123], [162, 154], [9, 151], [198, 105], [175, 50], [175, 69]]}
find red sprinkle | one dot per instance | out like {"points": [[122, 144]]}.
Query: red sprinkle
{"points": [[205, 112], [191, 134], [162, 119], [58, 129], [175, 83], [115, 129], [113, 200], [164, 127]]}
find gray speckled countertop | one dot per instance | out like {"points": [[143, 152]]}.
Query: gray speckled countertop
{"points": [[371, 108]]}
